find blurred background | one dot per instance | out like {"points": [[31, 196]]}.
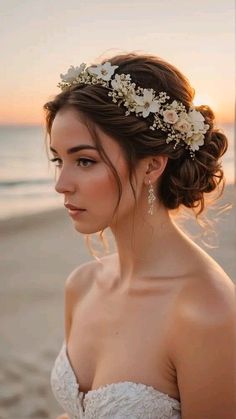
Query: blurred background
{"points": [[39, 41]]}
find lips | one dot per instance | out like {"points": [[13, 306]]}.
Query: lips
{"points": [[72, 207], [74, 212]]}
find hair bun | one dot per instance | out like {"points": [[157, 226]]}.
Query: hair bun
{"points": [[188, 180]]}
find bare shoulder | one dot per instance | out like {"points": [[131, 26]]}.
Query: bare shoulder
{"points": [[77, 284], [208, 296], [80, 278], [206, 302], [204, 346], [83, 276]]}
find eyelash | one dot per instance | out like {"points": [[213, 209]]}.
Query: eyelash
{"points": [[79, 160]]}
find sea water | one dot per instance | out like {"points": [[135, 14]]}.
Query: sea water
{"points": [[27, 179]]}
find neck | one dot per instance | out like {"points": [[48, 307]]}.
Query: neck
{"points": [[145, 245]]}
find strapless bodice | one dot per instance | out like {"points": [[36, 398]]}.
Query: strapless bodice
{"points": [[125, 399]]}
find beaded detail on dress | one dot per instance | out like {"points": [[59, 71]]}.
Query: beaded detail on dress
{"points": [[120, 400]]}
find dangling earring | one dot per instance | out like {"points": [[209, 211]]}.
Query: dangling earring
{"points": [[151, 198]]}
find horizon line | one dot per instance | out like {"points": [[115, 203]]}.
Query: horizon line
{"points": [[41, 124]]}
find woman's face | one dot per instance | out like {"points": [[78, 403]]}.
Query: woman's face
{"points": [[84, 179]]}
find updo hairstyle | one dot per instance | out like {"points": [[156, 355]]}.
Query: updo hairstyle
{"points": [[184, 181]]}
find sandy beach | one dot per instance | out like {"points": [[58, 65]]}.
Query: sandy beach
{"points": [[37, 254]]}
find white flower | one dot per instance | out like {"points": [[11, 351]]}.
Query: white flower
{"points": [[206, 128], [195, 141], [146, 103], [72, 73], [103, 71], [196, 115], [183, 125], [174, 104], [197, 120], [116, 83], [170, 116]]}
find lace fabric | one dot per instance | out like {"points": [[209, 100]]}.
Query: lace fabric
{"points": [[120, 400]]}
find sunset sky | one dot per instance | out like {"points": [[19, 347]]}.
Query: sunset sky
{"points": [[41, 39]]}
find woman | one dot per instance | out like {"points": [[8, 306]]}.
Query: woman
{"points": [[149, 329]]}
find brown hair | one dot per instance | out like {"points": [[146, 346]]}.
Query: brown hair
{"points": [[184, 181]]}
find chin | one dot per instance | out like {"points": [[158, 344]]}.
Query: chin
{"points": [[91, 229]]}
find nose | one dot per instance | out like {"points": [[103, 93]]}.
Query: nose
{"points": [[64, 183]]}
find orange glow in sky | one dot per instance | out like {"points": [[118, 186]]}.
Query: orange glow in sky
{"points": [[48, 38]]}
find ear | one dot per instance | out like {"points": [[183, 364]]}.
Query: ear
{"points": [[154, 168]]}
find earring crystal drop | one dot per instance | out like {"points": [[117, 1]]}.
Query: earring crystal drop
{"points": [[151, 198]]}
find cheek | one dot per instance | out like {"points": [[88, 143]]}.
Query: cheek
{"points": [[101, 183]]}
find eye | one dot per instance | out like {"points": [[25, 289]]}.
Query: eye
{"points": [[86, 161], [83, 160], [56, 159]]}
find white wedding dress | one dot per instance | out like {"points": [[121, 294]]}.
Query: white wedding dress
{"points": [[120, 400]]}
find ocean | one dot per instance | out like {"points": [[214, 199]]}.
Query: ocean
{"points": [[27, 179]]}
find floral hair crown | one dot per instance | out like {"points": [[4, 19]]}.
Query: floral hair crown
{"points": [[170, 117]]}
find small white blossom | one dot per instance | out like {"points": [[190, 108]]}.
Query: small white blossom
{"points": [[197, 120], [174, 104], [195, 141], [196, 116], [103, 71], [206, 128], [72, 73], [117, 82], [146, 103]]}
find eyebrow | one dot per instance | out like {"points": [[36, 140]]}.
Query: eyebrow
{"points": [[76, 148]]}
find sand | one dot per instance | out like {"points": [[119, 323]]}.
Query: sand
{"points": [[35, 262]]}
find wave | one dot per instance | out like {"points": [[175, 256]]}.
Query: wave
{"points": [[24, 182]]}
